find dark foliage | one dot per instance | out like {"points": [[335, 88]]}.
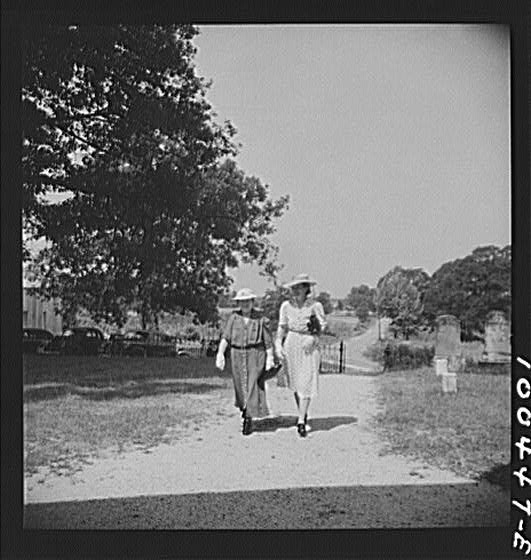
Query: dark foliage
{"points": [[399, 296], [470, 288], [153, 211], [406, 356]]}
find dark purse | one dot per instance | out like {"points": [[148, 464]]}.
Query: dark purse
{"points": [[314, 327], [270, 373]]}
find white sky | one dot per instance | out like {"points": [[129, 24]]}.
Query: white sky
{"points": [[393, 141]]}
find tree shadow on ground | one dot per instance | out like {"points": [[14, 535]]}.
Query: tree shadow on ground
{"points": [[426, 506], [128, 390], [316, 424], [499, 475]]}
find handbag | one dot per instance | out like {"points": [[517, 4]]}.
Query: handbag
{"points": [[270, 373], [314, 326]]}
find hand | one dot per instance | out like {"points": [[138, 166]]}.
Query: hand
{"points": [[279, 350], [270, 363], [220, 361], [310, 344]]}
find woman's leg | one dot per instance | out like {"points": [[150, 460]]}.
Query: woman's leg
{"points": [[251, 398], [303, 413], [256, 402], [303, 410], [238, 373], [255, 399]]}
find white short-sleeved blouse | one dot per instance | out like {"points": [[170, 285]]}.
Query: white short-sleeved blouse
{"points": [[296, 318]]}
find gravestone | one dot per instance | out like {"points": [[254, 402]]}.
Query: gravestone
{"points": [[447, 345], [497, 339], [449, 382]]}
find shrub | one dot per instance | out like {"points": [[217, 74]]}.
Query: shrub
{"points": [[472, 366], [375, 352], [406, 356]]}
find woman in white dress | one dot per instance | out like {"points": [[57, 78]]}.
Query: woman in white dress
{"points": [[301, 321]]}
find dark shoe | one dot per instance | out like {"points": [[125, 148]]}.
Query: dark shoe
{"points": [[301, 428], [244, 410], [247, 426]]}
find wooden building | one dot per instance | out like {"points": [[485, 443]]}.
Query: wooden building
{"points": [[39, 313]]}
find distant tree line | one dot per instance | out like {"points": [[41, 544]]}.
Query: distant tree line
{"points": [[468, 288]]}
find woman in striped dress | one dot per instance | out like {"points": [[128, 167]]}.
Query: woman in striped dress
{"points": [[301, 321], [251, 354]]}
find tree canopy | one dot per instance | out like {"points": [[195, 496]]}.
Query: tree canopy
{"points": [[400, 295], [272, 301], [363, 300], [471, 287], [154, 210]]}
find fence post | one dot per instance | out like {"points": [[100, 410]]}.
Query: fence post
{"points": [[344, 358], [341, 357]]}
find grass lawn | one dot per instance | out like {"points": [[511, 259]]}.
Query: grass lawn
{"points": [[468, 432], [76, 408], [343, 326], [95, 370]]}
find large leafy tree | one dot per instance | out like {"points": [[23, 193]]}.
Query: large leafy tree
{"points": [[363, 300], [271, 303], [361, 295], [154, 211], [400, 295], [471, 287]]}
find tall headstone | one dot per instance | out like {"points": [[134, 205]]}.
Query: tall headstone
{"points": [[448, 341], [447, 357], [497, 339]]}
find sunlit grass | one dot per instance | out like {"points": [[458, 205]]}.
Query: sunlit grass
{"points": [[72, 429], [468, 432], [78, 408]]}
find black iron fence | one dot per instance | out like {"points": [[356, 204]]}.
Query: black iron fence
{"points": [[333, 357]]}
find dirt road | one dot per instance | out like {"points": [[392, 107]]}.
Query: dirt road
{"points": [[339, 469], [356, 360]]}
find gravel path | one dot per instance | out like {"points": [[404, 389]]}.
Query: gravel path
{"points": [[214, 477], [356, 361], [341, 450]]}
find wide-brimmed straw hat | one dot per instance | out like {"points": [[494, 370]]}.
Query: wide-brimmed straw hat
{"points": [[243, 294], [300, 279]]}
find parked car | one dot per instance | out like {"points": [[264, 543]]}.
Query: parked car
{"points": [[147, 343], [212, 347], [35, 340], [190, 348], [114, 345], [78, 340]]}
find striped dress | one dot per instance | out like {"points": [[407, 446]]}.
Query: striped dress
{"points": [[248, 341]]}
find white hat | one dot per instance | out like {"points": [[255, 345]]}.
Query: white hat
{"points": [[244, 293], [300, 279]]}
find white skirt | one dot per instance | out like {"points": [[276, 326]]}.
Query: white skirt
{"points": [[302, 366]]}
